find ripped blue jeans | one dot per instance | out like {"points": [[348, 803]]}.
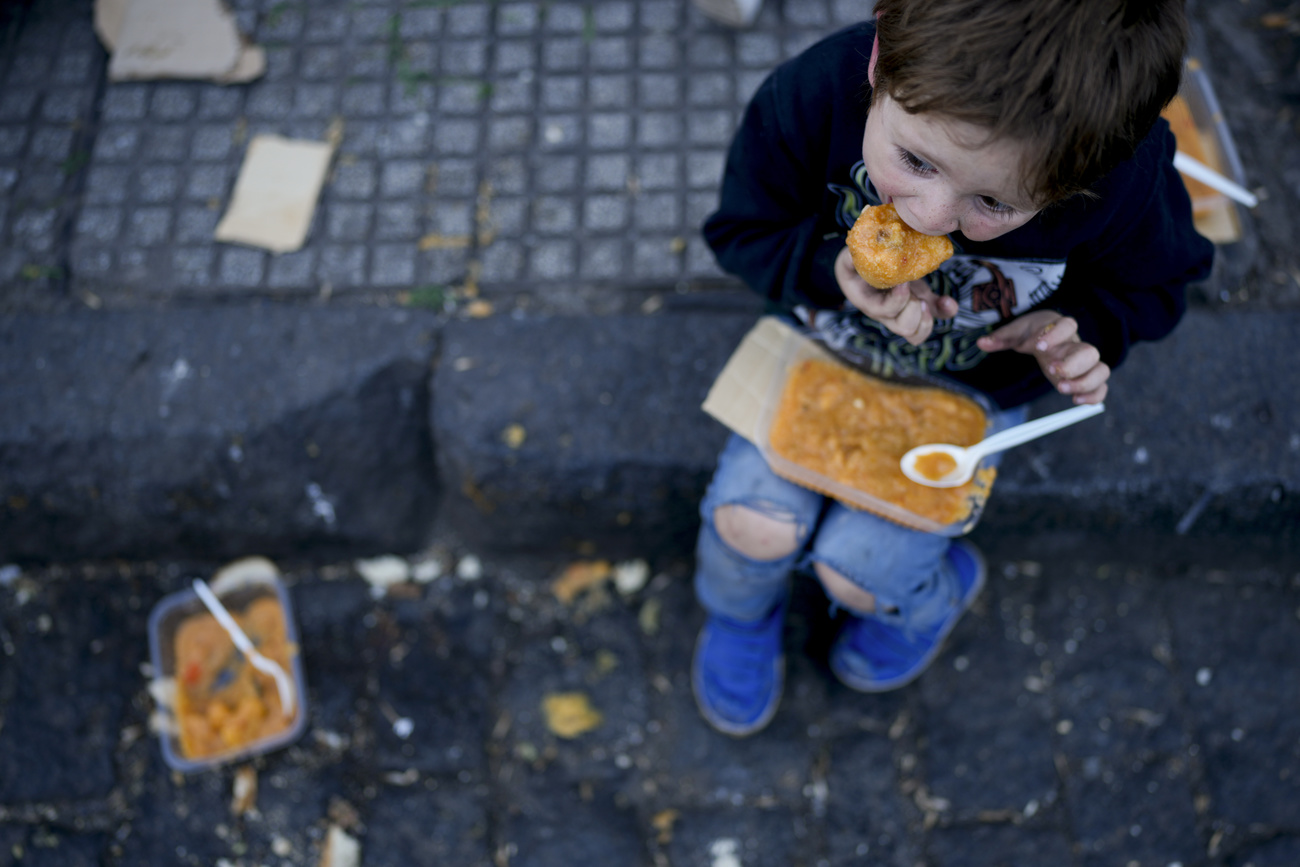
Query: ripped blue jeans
{"points": [[893, 563]]}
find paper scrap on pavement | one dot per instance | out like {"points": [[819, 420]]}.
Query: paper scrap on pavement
{"points": [[108, 21], [175, 39], [250, 66], [244, 572], [243, 797], [151, 39], [275, 193], [382, 573], [631, 575], [340, 849]]}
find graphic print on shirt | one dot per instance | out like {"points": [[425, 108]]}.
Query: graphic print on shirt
{"points": [[989, 290], [850, 200]]}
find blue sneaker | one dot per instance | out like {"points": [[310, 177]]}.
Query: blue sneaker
{"points": [[738, 672], [884, 651]]}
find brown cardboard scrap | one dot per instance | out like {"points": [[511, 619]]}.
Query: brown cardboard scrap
{"points": [[740, 392], [175, 39], [250, 66], [275, 194]]}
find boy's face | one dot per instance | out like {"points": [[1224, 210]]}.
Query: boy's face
{"points": [[944, 175]]}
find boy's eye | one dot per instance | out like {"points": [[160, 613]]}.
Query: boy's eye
{"points": [[915, 163], [991, 204]]}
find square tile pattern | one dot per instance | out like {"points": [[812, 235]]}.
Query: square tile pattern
{"points": [[551, 143]]}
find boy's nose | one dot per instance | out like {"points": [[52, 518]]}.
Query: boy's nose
{"points": [[933, 217]]}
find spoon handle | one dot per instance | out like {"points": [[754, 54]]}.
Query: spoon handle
{"points": [[1030, 430], [1211, 178], [241, 641]]}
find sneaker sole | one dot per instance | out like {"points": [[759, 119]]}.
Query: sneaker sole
{"points": [[735, 730], [981, 572]]}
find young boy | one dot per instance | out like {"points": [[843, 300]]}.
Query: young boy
{"points": [[1027, 131]]}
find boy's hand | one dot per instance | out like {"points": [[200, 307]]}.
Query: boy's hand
{"points": [[1072, 366], [908, 310]]}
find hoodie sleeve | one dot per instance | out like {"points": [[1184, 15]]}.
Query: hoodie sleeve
{"points": [[1129, 283], [767, 230]]}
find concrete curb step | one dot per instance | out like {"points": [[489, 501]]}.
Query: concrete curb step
{"points": [[215, 431], [322, 432]]}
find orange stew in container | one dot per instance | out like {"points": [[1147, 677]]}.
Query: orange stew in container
{"points": [[222, 702], [854, 430], [1190, 142]]}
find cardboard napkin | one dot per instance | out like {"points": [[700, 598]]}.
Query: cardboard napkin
{"points": [[190, 39], [275, 193], [742, 389]]}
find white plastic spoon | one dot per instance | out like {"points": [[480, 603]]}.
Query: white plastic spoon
{"points": [[968, 458], [1208, 176], [282, 682]]}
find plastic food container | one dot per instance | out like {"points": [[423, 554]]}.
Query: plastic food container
{"points": [[798, 351], [1216, 215], [164, 622]]}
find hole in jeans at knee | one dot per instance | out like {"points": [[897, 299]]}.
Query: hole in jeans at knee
{"points": [[847, 593], [760, 531]]}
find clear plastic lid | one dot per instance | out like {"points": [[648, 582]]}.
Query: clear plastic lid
{"points": [[1216, 216], [972, 498], [1204, 106]]}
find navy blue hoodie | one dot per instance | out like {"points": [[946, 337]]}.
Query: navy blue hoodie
{"points": [[1119, 262]]}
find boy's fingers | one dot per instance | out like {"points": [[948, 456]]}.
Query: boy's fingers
{"points": [[1074, 360], [1005, 339], [908, 320], [924, 325], [1056, 333], [913, 323], [876, 303], [1096, 395], [1087, 383], [919, 289], [1013, 335], [941, 306], [893, 302], [946, 307]]}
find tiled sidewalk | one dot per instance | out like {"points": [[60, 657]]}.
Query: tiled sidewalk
{"points": [[541, 144]]}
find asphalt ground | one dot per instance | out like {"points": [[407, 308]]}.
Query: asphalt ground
{"points": [[1098, 706], [1123, 693]]}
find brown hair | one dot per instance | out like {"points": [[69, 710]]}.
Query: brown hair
{"points": [[1078, 82]]}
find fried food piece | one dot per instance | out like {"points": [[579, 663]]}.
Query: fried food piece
{"points": [[886, 251]]}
